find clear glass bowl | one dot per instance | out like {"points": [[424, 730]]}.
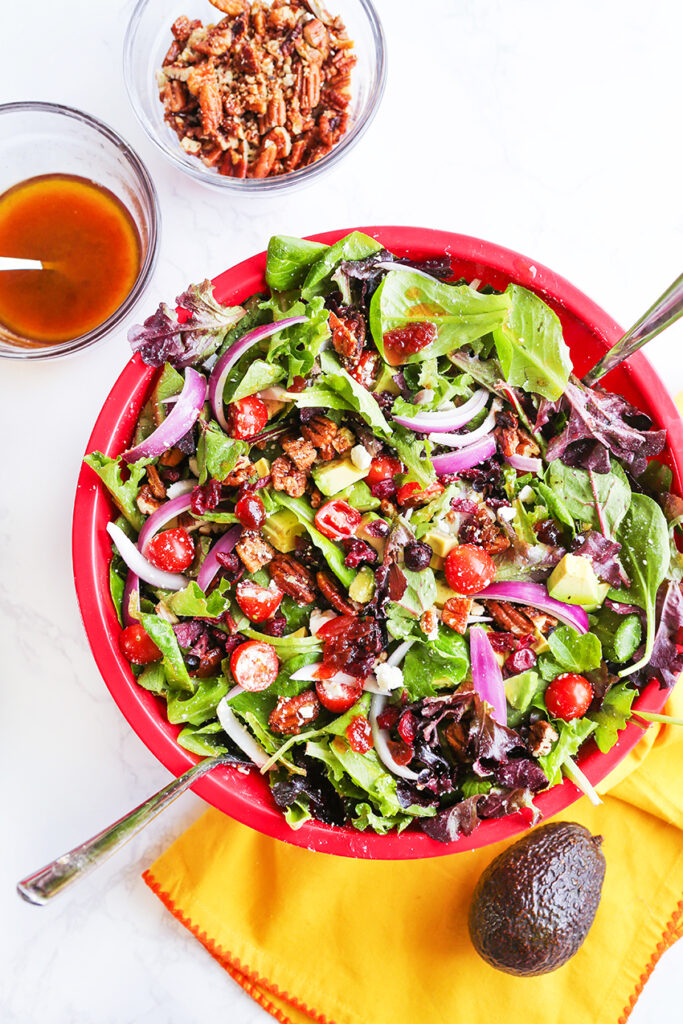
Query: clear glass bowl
{"points": [[149, 37], [46, 138]]}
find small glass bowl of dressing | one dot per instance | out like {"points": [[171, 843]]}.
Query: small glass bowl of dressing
{"points": [[74, 195]]}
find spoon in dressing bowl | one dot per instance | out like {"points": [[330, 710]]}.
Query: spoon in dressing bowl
{"points": [[16, 263]]}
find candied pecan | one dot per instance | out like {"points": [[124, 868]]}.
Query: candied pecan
{"points": [[292, 578], [456, 612], [520, 621], [316, 34], [348, 338], [230, 7], [286, 477], [387, 508], [301, 452], [172, 457], [240, 473], [155, 483], [216, 42], [541, 738], [146, 501], [343, 441], [291, 714], [321, 432], [429, 621], [332, 593], [254, 551], [309, 92], [541, 620], [265, 159], [296, 156], [315, 498], [181, 28], [211, 106], [456, 737], [282, 141], [172, 53], [511, 438], [484, 529]]}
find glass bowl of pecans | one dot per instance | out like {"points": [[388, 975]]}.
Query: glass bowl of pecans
{"points": [[255, 95]]}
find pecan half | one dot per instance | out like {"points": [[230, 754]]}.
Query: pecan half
{"points": [[541, 738], [301, 452], [456, 612], [286, 477], [254, 551], [156, 484], [347, 338], [333, 594], [291, 714], [146, 501], [292, 578], [520, 621]]}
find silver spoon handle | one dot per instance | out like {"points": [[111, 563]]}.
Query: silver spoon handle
{"points": [[41, 886], [665, 311]]}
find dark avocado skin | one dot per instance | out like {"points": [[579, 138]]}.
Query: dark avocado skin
{"points": [[535, 903]]}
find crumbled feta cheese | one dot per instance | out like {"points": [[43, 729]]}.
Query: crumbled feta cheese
{"points": [[507, 513], [526, 494], [318, 620], [424, 396], [389, 677], [360, 457], [476, 609]]}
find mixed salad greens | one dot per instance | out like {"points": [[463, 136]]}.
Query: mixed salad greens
{"points": [[376, 539]]}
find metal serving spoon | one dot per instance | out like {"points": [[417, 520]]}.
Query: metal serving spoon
{"points": [[43, 885], [17, 263], [665, 311]]}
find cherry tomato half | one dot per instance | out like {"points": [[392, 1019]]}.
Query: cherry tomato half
{"points": [[412, 495], [469, 568], [171, 550], [137, 647], [336, 519], [247, 417], [339, 693], [382, 468], [254, 665], [258, 603], [568, 696], [359, 734]]}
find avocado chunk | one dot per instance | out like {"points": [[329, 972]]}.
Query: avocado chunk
{"points": [[443, 593], [362, 586], [573, 581], [262, 467], [282, 529], [534, 904], [386, 382], [332, 477], [440, 543]]}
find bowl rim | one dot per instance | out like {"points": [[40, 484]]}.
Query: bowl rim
{"points": [[258, 186], [92, 507], [149, 192]]}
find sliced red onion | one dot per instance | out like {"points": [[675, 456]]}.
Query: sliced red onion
{"points": [[220, 372], [211, 565], [169, 510], [487, 677], [537, 596], [181, 418], [465, 458], [181, 487], [379, 737], [137, 562], [463, 440], [525, 464], [447, 419], [130, 599], [240, 735]]}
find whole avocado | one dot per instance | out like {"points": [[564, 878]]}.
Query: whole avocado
{"points": [[535, 903]]}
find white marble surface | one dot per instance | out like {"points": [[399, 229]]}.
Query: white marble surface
{"points": [[551, 128]]}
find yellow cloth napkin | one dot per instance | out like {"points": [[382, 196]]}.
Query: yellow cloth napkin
{"points": [[337, 941]]}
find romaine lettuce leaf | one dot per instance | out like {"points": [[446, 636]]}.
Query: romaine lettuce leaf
{"points": [[297, 347], [425, 670], [123, 494], [572, 735], [355, 246], [161, 632], [613, 716], [532, 352], [354, 394], [459, 313], [206, 740], [201, 706], [193, 602], [217, 454], [259, 375], [288, 260]]}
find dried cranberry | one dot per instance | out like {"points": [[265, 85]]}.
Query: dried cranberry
{"points": [[275, 626], [205, 497], [233, 568], [417, 555], [484, 477], [384, 489], [169, 476], [548, 532], [354, 646], [465, 505], [407, 727], [388, 718], [471, 532], [520, 661], [376, 528], [357, 552], [385, 401], [401, 752], [298, 384], [305, 553], [250, 511]]}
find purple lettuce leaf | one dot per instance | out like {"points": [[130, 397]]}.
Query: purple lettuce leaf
{"points": [[524, 773], [597, 416], [163, 337], [498, 803], [462, 818], [489, 742], [602, 553], [666, 662]]}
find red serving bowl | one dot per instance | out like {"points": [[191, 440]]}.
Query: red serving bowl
{"points": [[246, 797]]}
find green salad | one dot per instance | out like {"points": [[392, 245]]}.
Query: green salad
{"points": [[375, 539]]}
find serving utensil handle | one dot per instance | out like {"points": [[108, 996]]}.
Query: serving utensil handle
{"points": [[43, 885], [664, 312]]}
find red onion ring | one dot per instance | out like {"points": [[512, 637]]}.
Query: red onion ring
{"points": [[465, 458], [447, 419], [211, 565], [463, 440], [487, 678], [536, 595], [140, 566], [226, 362], [181, 418], [525, 464]]}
